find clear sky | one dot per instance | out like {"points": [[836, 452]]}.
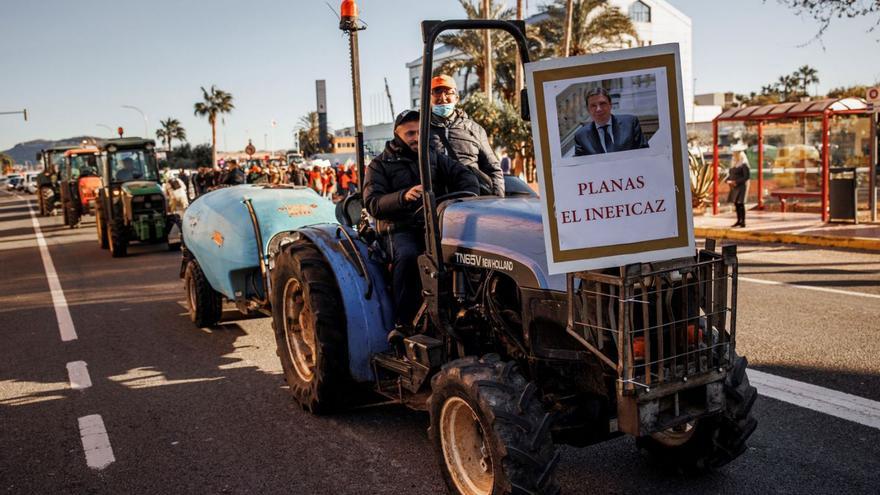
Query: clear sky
{"points": [[74, 64]]}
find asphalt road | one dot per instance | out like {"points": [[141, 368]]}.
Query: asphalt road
{"points": [[191, 410]]}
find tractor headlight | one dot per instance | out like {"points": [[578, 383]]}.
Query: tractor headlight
{"points": [[116, 192]]}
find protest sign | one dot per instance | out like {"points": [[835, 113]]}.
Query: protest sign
{"points": [[610, 145]]}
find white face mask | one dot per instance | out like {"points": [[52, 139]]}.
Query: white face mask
{"points": [[444, 110]]}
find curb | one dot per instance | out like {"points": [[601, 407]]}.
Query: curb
{"points": [[864, 243]]}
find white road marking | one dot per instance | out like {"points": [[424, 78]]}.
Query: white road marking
{"points": [[96, 443], [810, 287], [824, 400], [62, 313], [78, 372]]}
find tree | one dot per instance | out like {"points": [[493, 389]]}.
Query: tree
{"points": [[170, 130], [214, 103], [596, 27], [309, 135], [824, 11], [807, 75], [6, 163], [470, 42], [503, 124], [855, 91]]}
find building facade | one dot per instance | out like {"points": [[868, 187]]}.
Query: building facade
{"points": [[656, 22]]}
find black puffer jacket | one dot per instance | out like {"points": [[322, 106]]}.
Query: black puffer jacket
{"points": [[395, 171], [462, 139]]}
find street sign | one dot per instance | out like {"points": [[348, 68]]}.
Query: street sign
{"points": [[250, 149], [873, 96]]}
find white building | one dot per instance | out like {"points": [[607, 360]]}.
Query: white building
{"points": [[656, 22]]}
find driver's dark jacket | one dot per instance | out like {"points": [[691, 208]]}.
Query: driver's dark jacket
{"points": [[462, 139], [395, 171]]}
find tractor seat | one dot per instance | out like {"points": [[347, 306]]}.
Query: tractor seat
{"points": [[348, 211]]}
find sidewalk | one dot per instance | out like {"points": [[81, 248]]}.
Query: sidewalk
{"points": [[789, 228]]}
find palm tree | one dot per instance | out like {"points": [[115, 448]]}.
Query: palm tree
{"points": [[170, 130], [807, 75], [596, 27], [470, 42], [213, 103], [787, 85], [309, 134]]}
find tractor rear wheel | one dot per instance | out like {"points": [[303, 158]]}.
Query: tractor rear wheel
{"points": [[310, 330], [489, 429], [205, 305], [118, 240], [43, 201], [103, 240], [711, 442]]}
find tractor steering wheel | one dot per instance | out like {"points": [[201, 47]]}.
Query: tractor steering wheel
{"points": [[446, 197]]}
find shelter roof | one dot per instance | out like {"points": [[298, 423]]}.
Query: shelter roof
{"points": [[794, 109]]}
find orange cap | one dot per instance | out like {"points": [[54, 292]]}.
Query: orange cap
{"points": [[443, 81]]}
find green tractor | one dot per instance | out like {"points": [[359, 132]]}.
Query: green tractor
{"points": [[48, 187], [131, 205]]}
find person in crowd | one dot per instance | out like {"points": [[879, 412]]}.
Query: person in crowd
{"points": [[344, 181], [738, 181], [257, 176], [392, 195], [329, 183], [506, 163], [316, 180], [234, 174], [607, 133], [455, 135]]}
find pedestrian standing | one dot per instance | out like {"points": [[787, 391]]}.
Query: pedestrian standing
{"points": [[738, 181], [505, 163]]}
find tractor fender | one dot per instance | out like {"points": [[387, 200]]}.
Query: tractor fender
{"points": [[365, 298]]}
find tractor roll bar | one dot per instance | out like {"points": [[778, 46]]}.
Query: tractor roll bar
{"points": [[430, 31]]}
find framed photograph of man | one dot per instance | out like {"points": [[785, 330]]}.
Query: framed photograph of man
{"points": [[610, 145]]}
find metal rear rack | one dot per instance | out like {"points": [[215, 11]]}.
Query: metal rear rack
{"points": [[663, 327]]}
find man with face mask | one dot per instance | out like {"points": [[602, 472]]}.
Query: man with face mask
{"points": [[392, 195], [455, 135]]}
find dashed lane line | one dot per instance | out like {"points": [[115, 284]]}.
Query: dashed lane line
{"points": [[62, 313], [96, 443], [824, 400], [78, 372], [810, 287]]}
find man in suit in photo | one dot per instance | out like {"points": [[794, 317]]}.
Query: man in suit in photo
{"points": [[607, 133]]}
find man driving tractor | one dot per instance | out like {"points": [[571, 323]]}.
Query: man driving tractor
{"points": [[392, 194]]}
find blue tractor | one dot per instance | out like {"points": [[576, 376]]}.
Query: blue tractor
{"points": [[507, 359]]}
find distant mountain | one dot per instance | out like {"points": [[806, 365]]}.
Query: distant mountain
{"points": [[27, 151]]}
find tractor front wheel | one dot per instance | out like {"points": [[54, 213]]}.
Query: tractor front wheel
{"points": [[309, 323], [205, 305], [101, 229], [118, 240], [489, 430], [711, 442]]}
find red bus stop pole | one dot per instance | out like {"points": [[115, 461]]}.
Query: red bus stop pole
{"points": [[760, 164], [825, 173], [714, 167]]}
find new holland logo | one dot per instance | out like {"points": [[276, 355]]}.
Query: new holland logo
{"points": [[218, 238], [298, 210]]}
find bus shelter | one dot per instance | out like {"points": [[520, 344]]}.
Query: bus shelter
{"points": [[763, 114]]}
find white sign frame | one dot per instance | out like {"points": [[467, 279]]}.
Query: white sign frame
{"points": [[624, 243]]}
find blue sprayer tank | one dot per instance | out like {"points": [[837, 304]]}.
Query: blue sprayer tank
{"points": [[219, 232]]}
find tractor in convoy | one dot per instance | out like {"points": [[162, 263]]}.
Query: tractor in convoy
{"points": [[507, 359], [48, 188], [130, 203], [79, 182]]}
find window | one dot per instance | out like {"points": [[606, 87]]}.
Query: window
{"points": [[639, 12], [415, 103], [415, 81]]}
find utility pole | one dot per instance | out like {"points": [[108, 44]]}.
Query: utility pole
{"points": [[390, 101], [518, 77], [568, 15], [487, 53], [348, 23]]}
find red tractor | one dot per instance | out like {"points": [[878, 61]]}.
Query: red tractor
{"points": [[79, 182]]}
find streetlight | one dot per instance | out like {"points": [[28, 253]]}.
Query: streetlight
{"points": [[104, 126], [138, 110]]}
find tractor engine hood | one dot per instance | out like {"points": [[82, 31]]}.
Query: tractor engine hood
{"points": [[141, 187], [501, 234]]}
